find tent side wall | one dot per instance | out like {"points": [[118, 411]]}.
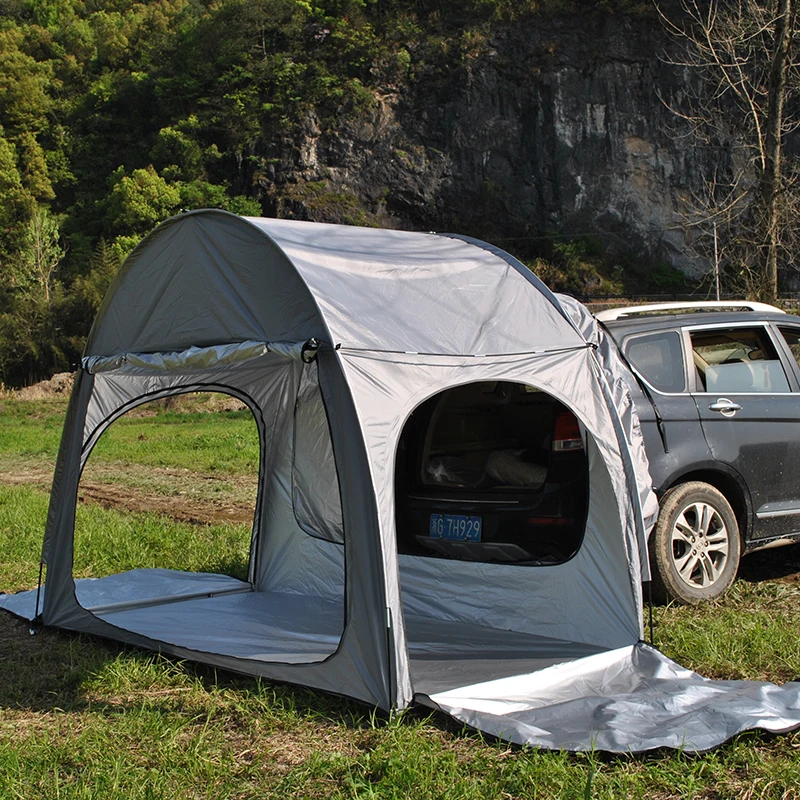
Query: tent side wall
{"points": [[212, 279]]}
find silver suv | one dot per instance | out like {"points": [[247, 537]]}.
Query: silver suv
{"points": [[718, 394]]}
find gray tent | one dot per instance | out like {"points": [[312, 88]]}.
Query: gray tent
{"points": [[334, 336]]}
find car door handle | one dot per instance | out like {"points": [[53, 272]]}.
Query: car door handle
{"points": [[725, 407]]}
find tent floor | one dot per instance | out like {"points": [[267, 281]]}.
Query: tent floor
{"points": [[217, 614], [291, 628]]}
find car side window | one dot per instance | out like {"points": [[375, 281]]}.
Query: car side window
{"points": [[792, 337], [737, 360], [658, 358]]}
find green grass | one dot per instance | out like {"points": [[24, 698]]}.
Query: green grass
{"points": [[108, 541], [223, 441], [753, 633], [31, 428], [84, 718]]}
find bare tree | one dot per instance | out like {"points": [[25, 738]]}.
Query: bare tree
{"points": [[741, 79]]}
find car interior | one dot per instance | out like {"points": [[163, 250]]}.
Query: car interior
{"points": [[492, 471], [737, 360]]}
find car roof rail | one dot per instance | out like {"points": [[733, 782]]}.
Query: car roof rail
{"points": [[701, 305]]}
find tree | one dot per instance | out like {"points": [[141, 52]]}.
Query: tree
{"points": [[740, 54], [29, 340], [40, 256]]}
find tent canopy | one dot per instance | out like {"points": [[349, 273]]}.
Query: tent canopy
{"points": [[335, 337]]}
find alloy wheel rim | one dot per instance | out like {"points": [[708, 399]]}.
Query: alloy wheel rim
{"points": [[700, 545]]}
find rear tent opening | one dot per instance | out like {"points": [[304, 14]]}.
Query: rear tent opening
{"points": [[492, 472]]}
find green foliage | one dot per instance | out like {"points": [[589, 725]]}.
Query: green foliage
{"points": [[321, 202], [119, 113], [579, 267], [139, 201], [16, 203], [177, 152], [584, 267], [87, 291], [31, 295]]}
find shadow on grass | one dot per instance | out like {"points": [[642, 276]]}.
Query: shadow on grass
{"points": [[51, 670], [778, 563], [46, 671], [234, 565]]}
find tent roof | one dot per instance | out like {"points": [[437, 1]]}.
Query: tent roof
{"points": [[276, 280]]}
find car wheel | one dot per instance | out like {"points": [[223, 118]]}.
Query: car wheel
{"points": [[695, 545]]}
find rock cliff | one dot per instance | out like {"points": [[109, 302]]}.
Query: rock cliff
{"points": [[558, 129]]}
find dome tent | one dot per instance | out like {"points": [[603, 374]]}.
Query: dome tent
{"points": [[334, 336]]}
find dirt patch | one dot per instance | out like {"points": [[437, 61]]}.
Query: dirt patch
{"points": [[178, 494], [192, 403], [182, 509], [60, 385], [35, 476]]}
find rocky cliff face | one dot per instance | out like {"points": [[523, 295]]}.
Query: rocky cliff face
{"points": [[558, 130]]}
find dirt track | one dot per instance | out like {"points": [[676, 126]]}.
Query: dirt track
{"points": [[186, 504], [203, 499], [177, 508]]}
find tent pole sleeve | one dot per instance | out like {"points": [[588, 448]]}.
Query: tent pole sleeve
{"points": [[60, 529]]}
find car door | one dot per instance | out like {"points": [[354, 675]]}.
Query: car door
{"points": [[670, 423], [747, 398]]}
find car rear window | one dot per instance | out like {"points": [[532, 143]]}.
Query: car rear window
{"points": [[494, 471], [485, 434], [737, 360], [657, 357]]}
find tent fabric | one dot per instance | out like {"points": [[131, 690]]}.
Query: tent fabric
{"points": [[334, 337], [193, 357], [621, 701]]}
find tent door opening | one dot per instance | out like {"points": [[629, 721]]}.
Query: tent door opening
{"points": [[256, 570], [168, 495]]}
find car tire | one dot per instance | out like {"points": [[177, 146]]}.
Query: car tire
{"points": [[695, 545]]}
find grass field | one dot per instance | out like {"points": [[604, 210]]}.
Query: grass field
{"points": [[83, 718]]}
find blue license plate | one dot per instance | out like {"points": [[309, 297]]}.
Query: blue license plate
{"points": [[457, 527]]}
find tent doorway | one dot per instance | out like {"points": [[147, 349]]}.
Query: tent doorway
{"points": [[169, 485], [493, 472], [492, 482]]}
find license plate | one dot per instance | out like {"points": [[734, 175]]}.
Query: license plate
{"points": [[456, 527]]}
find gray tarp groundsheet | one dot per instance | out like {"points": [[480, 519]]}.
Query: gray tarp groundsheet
{"points": [[333, 336]]}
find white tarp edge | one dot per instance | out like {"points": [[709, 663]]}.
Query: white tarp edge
{"points": [[627, 700]]}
